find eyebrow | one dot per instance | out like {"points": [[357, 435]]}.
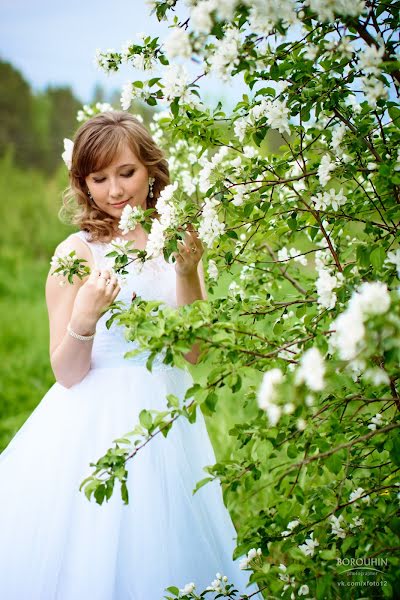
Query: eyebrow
{"points": [[118, 167]]}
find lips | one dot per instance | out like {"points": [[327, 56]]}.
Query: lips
{"points": [[120, 204]]}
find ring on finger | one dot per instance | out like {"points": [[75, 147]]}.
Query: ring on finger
{"points": [[193, 249]]}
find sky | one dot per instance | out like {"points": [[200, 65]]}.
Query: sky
{"points": [[54, 42]]}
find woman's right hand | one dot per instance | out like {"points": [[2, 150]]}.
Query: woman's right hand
{"points": [[93, 299]]}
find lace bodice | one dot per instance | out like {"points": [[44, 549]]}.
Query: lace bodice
{"points": [[153, 280]]}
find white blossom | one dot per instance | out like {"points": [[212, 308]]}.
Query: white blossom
{"points": [[266, 395], [325, 167], [244, 563], [130, 216], [349, 331], [352, 102], [226, 54], [309, 546], [370, 58], [357, 522], [290, 526], [200, 16], [393, 257], [301, 424], [126, 95], [325, 285], [376, 421], [336, 527], [397, 163], [303, 590], [188, 588], [277, 115], [345, 48], [326, 9], [311, 370], [371, 298], [178, 44], [67, 154], [330, 198], [212, 269], [240, 127], [249, 152], [337, 138], [311, 52], [284, 255], [165, 206], [374, 90], [215, 586], [376, 376], [156, 239], [210, 228], [121, 246], [175, 84], [356, 494]]}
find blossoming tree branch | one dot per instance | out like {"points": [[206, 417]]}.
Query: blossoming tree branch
{"points": [[295, 195]]}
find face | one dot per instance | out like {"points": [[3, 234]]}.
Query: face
{"points": [[124, 181]]}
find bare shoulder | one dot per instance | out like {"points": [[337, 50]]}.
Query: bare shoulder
{"points": [[54, 284], [74, 242]]}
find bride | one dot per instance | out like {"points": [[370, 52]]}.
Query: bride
{"points": [[54, 542]]}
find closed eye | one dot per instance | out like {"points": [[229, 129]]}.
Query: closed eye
{"points": [[129, 174]]}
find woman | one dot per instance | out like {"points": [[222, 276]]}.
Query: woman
{"points": [[54, 543]]}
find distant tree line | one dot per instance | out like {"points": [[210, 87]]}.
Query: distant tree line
{"points": [[34, 124]]}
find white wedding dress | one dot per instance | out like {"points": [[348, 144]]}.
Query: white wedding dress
{"points": [[54, 543]]}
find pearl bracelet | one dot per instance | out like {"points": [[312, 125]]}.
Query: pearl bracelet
{"points": [[77, 336]]}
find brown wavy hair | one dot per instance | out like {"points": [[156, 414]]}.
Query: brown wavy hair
{"points": [[96, 142]]}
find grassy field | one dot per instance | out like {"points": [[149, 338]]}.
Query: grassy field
{"points": [[31, 231]]}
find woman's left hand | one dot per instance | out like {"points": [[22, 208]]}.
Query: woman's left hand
{"points": [[189, 253]]}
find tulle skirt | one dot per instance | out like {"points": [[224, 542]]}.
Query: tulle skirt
{"points": [[56, 545]]}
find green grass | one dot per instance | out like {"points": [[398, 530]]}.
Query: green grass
{"points": [[31, 230]]}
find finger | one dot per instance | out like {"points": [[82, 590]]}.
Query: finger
{"points": [[105, 273], [177, 256], [115, 293], [190, 227], [111, 283], [195, 240], [104, 277], [182, 248]]}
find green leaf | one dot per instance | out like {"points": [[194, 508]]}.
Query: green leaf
{"points": [[395, 451], [124, 493], [99, 493], [202, 482], [334, 463], [172, 401], [362, 254], [173, 590], [145, 419], [210, 403], [377, 257]]}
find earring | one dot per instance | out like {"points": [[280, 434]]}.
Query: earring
{"points": [[151, 183], [90, 197]]}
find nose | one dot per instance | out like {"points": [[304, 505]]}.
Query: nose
{"points": [[116, 189]]}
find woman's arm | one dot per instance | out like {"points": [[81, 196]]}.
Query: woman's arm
{"points": [[191, 287], [80, 304]]}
